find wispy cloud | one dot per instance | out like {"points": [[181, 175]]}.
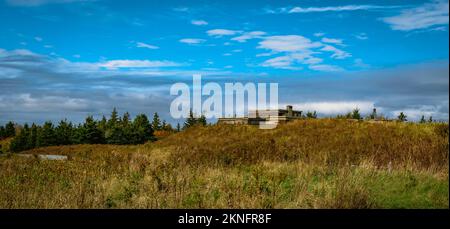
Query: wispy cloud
{"points": [[326, 68], [30, 3], [288, 43], [147, 46], [300, 50], [424, 16], [199, 22], [333, 8], [38, 39], [337, 53], [248, 36], [332, 41], [222, 32], [114, 64], [192, 41], [361, 36]]}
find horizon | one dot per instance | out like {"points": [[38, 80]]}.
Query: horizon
{"points": [[67, 59]]}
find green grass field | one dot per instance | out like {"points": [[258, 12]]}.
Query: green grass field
{"points": [[324, 163]]}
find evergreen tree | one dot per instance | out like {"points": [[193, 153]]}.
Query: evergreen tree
{"points": [[126, 128], [422, 119], [402, 117], [64, 132], [178, 127], [33, 135], [2, 132], [92, 135], [112, 122], [310, 114], [430, 120], [374, 114], [356, 114], [202, 120], [156, 123], [142, 130], [10, 130], [102, 125], [190, 121], [46, 136], [114, 134], [20, 142], [78, 134]]}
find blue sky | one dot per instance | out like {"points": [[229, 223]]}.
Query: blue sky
{"points": [[70, 58]]}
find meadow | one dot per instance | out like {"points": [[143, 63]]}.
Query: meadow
{"points": [[311, 163]]}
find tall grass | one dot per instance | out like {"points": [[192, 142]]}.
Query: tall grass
{"points": [[305, 164]]}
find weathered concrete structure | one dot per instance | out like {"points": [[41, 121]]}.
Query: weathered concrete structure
{"points": [[258, 116]]}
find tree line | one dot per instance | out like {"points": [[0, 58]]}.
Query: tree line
{"points": [[115, 130], [9, 130]]}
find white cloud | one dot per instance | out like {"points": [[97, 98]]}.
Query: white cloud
{"points": [[264, 54], [199, 22], [113, 64], [440, 28], [335, 107], [362, 36], [337, 53], [288, 61], [48, 46], [144, 45], [336, 8], [192, 41], [326, 68], [227, 54], [319, 34], [281, 62], [38, 39], [222, 32], [300, 50], [332, 41], [424, 16], [249, 35], [288, 43], [30, 3]]}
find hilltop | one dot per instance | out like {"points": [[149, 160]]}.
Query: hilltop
{"points": [[312, 163]]}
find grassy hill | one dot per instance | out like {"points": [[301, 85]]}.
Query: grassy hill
{"points": [[304, 164]]}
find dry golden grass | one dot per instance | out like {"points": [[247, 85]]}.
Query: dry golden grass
{"points": [[306, 164]]}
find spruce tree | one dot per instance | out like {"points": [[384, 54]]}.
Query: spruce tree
{"points": [[2, 132], [112, 122], [156, 123], [92, 134], [10, 130], [356, 114], [114, 133], [202, 120], [142, 130], [46, 136], [20, 142], [422, 119], [64, 133], [190, 121], [402, 117], [33, 135], [78, 134]]}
